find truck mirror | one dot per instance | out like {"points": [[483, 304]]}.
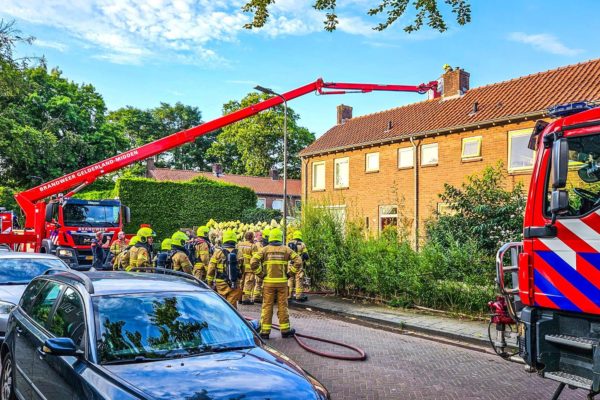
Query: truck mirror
{"points": [[126, 214], [560, 163], [49, 212], [559, 202]]}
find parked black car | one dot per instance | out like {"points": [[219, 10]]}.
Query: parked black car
{"points": [[119, 335]]}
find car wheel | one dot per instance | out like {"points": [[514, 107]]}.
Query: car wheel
{"points": [[8, 391]]}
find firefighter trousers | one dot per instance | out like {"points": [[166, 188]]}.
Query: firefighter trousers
{"points": [[296, 281], [231, 295], [248, 282], [200, 271], [257, 292], [270, 295]]}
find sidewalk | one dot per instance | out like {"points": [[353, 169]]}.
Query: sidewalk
{"points": [[475, 332]]}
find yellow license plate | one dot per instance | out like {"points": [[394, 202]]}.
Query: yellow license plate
{"points": [[89, 257]]}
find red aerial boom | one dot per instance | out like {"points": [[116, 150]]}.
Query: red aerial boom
{"points": [[33, 207]]}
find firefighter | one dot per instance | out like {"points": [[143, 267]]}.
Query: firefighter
{"points": [[297, 279], [118, 246], [99, 247], [248, 277], [162, 259], [223, 270], [179, 258], [259, 238], [273, 260], [203, 250], [122, 260], [143, 255]]}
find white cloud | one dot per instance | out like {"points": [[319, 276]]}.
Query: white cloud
{"points": [[51, 45], [544, 42], [186, 31]]}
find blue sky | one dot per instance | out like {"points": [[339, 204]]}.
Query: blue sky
{"points": [[140, 53]]}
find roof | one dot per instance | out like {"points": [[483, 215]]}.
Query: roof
{"points": [[260, 184], [138, 282], [27, 255], [529, 95]]}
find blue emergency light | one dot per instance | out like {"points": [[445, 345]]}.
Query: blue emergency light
{"points": [[562, 110]]}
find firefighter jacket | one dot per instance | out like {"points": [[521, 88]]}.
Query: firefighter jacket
{"points": [[180, 261], [203, 250], [122, 259], [300, 248], [272, 261], [143, 258], [245, 252], [217, 268], [118, 247], [133, 251]]}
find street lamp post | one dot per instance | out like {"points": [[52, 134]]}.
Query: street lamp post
{"points": [[285, 156]]}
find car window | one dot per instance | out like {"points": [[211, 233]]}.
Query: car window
{"points": [[68, 319], [166, 325], [42, 306], [23, 270], [30, 293]]}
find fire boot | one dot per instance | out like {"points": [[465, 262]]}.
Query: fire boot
{"points": [[264, 336], [289, 333], [302, 298]]}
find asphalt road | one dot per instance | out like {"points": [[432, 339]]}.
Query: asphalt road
{"points": [[406, 367]]}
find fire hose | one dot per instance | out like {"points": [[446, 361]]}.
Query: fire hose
{"points": [[362, 356]]}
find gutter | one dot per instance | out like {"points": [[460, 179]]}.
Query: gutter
{"points": [[462, 128]]}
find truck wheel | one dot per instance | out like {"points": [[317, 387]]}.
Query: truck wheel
{"points": [[7, 389]]}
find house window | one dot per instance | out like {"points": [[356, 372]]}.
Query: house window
{"points": [[298, 205], [520, 157], [261, 202], [318, 176], [388, 216], [471, 148], [372, 162], [406, 158], [341, 177], [277, 205], [429, 154]]}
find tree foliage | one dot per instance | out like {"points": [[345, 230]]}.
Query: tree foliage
{"points": [[426, 11], [254, 145]]}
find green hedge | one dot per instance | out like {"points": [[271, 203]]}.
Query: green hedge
{"points": [[168, 206], [255, 215]]}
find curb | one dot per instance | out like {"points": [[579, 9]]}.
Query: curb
{"points": [[483, 342]]}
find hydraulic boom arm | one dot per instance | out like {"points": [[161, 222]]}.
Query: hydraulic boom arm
{"points": [[87, 175]]}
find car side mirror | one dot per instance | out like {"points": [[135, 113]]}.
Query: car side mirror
{"points": [[559, 203], [560, 163], [126, 214], [61, 347], [255, 324]]}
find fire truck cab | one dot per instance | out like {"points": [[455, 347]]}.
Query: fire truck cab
{"points": [[552, 290]]}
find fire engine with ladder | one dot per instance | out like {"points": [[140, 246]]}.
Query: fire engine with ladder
{"points": [[59, 224], [549, 284]]}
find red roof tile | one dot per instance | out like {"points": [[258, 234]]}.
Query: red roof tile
{"points": [[528, 95], [261, 185]]}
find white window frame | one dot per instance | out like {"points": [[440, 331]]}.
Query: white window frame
{"points": [[430, 146], [479, 140], [273, 203], [386, 215], [264, 202], [335, 180], [412, 159], [367, 169], [511, 135], [314, 167]]}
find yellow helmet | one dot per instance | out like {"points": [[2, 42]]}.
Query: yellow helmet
{"points": [[202, 231], [297, 235], [179, 238], [276, 235], [134, 240], [166, 244], [266, 232], [145, 233], [229, 236]]}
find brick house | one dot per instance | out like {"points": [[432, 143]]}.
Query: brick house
{"points": [[389, 167], [269, 190]]}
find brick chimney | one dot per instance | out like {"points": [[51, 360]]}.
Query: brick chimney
{"points": [[217, 169], [149, 167], [273, 174], [344, 113], [455, 82]]}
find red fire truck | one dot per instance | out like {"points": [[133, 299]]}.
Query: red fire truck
{"points": [[65, 226], [550, 282]]}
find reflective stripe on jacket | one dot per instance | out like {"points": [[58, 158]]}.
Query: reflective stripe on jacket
{"points": [[272, 260]]}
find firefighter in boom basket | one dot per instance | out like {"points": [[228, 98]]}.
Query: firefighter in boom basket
{"points": [[203, 249], [272, 262], [248, 277], [223, 270], [296, 281], [179, 259]]}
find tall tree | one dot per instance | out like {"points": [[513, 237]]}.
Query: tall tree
{"points": [[254, 145], [425, 11]]}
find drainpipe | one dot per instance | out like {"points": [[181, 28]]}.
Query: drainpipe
{"points": [[416, 179], [305, 180]]}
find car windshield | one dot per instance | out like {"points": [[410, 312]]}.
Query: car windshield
{"points": [[19, 271], [91, 215], [148, 326]]}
